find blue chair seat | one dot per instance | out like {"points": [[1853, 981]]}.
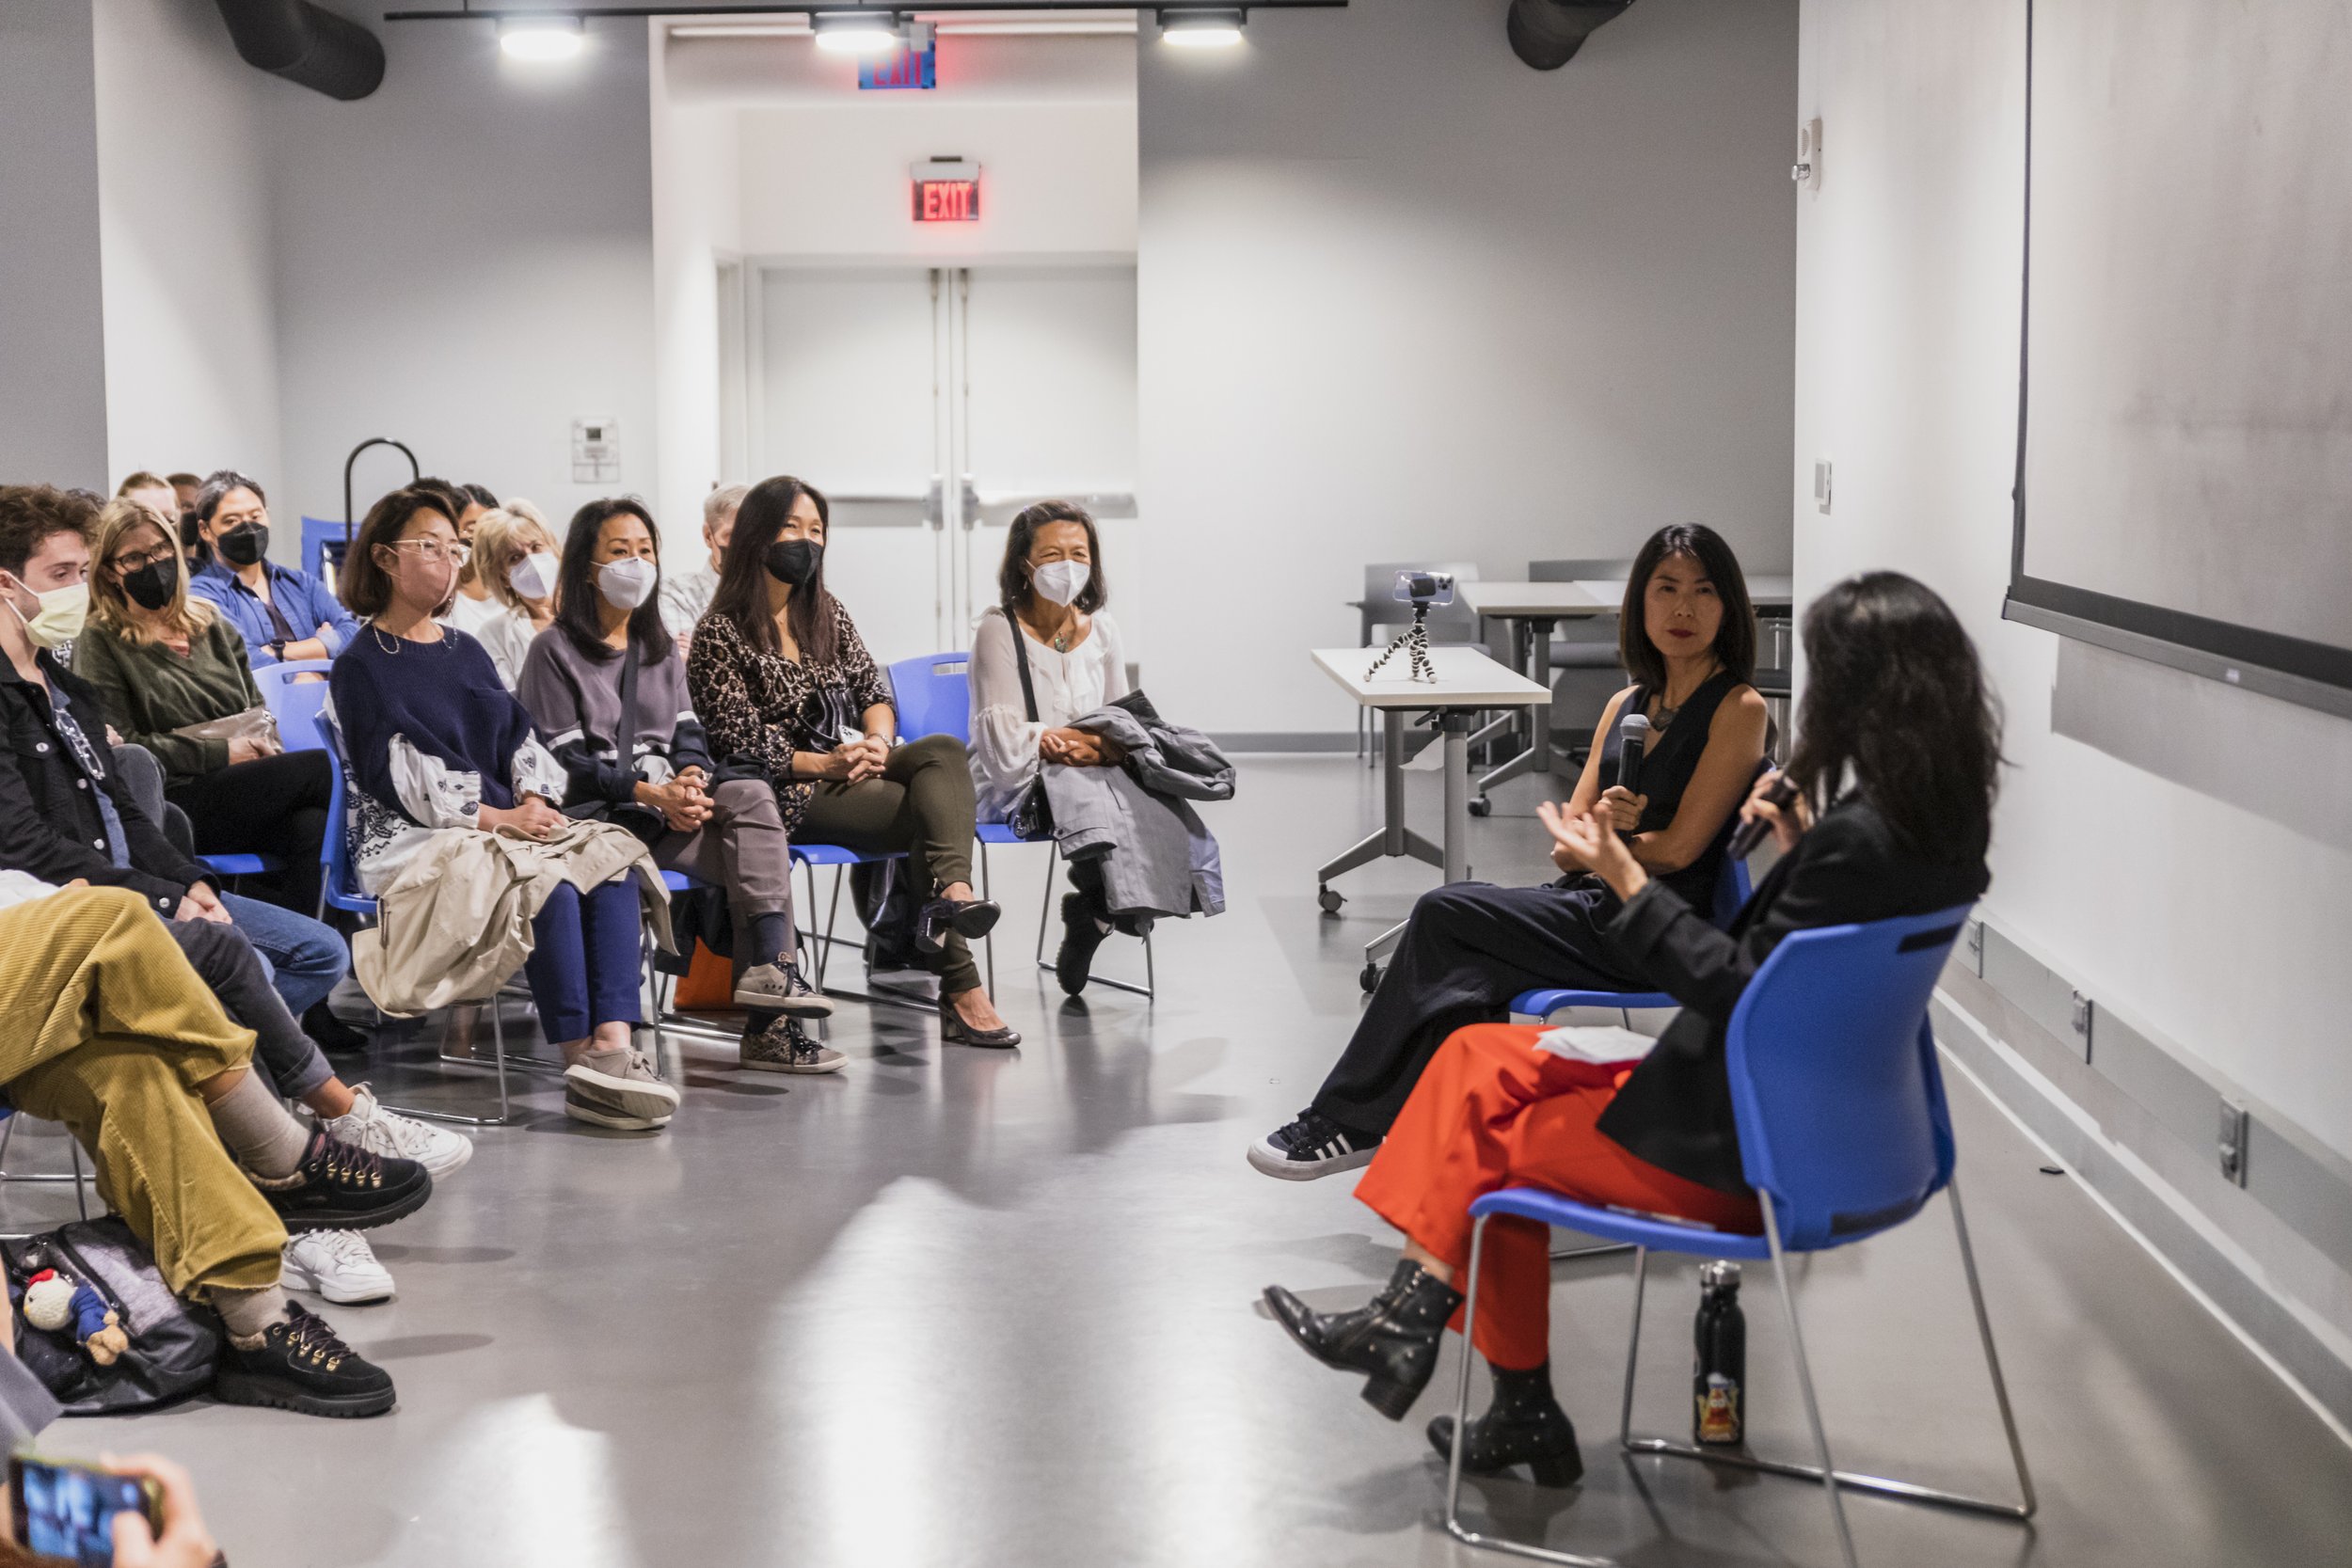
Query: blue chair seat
{"points": [[833, 854], [1658, 1235], [999, 833], [1542, 1003], [243, 866]]}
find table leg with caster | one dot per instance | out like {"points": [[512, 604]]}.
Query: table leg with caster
{"points": [[1393, 836]]}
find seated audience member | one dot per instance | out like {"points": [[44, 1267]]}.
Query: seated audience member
{"points": [[607, 689], [1688, 636], [156, 495], [104, 1028], [184, 489], [437, 747], [1050, 658], [170, 674], [686, 596], [282, 613], [1898, 755], [514, 557], [783, 682]]}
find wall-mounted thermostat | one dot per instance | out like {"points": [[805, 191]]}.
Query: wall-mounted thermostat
{"points": [[595, 450]]}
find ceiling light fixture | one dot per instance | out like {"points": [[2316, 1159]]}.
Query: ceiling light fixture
{"points": [[542, 37], [851, 33], [1201, 29]]}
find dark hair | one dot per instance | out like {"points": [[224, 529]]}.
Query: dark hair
{"points": [[367, 588], [216, 487], [175, 481], [29, 513], [454, 495], [1012, 579], [741, 596], [1893, 693], [480, 493], [1735, 639], [576, 595]]}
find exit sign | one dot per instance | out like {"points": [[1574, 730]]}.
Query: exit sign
{"points": [[947, 190], [902, 69]]}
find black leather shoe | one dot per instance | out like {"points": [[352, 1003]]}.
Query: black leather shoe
{"points": [[1525, 1425], [969, 918], [1080, 936], [1393, 1337], [953, 1031]]}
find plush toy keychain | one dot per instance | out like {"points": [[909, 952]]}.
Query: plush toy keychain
{"points": [[54, 1302]]}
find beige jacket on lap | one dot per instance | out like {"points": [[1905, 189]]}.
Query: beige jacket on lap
{"points": [[455, 923]]}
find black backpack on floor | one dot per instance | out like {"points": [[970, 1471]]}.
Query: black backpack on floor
{"points": [[174, 1346]]}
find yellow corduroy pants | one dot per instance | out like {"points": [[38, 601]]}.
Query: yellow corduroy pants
{"points": [[104, 1027]]}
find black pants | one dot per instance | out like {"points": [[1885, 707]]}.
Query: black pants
{"points": [[922, 805], [270, 806], [1470, 948]]}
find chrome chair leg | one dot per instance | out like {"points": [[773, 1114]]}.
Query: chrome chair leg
{"points": [[1454, 1525], [498, 1061], [1148, 990], [1991, 1356], [1805, 1381], [81, 1200], [989, 941]]}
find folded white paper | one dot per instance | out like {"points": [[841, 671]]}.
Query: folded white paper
{"points": [[1594, 1042]]}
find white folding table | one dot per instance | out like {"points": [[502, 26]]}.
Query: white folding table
{"points": [[1531, 610], [1467, 681], [1765, 591]]}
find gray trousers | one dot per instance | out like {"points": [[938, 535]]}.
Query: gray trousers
{"points": [[743, 849]]}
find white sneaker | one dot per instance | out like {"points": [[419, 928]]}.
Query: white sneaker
{"points": [[371, 1127], [337, 1264]]}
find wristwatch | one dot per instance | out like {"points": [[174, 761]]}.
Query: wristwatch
{"points": [[277, 649]]}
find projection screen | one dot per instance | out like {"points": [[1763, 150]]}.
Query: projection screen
{"points": [[2184, 433]]}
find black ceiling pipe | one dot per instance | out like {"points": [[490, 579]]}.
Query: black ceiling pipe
{"points": [[307, 45], [1547, 33]]}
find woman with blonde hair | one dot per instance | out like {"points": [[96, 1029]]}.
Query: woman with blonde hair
{"points": [[512, 559], [172, 675]]}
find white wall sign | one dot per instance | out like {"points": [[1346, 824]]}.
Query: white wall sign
{"points": [[595, 450]]}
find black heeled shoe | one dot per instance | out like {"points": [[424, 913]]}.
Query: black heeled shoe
{"points": [[969, 918], [1081, 934], [1525, 1425], [1393, 1337], [953, 1031]]}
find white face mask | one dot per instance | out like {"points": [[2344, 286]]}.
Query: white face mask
{"points": [[59, 621], [628, 582], [534, 576], [1061, 581]]}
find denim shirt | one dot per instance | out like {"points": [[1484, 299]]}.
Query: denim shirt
{"points": [[301, 598]]}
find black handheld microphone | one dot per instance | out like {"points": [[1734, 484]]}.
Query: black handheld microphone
{"points": [[1633, 739], [1751, 832]]}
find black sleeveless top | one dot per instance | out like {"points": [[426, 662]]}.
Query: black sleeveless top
{"points": [[1667, 764]]}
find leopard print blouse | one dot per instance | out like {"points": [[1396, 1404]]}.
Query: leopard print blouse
{"points": [[761, 707]]}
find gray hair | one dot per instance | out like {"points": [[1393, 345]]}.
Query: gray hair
{"points": [[721, 501]]}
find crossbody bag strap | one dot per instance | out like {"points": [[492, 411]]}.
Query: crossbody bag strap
{"points": [[1021, 659], [627, 738]]}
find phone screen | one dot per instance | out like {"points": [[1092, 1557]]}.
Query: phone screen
{"points": [[67, 1513]]}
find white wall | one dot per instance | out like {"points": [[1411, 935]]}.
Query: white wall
{"points": [[184, 223], [465, 262], [2222, 929], [53, 394], [697, 221], [1402, 297]]}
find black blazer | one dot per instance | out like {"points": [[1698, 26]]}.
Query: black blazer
{"points": [[1675, 1112], [50, 824]]}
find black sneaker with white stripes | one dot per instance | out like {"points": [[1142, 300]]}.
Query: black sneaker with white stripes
{"points": [[1312, 1146]]}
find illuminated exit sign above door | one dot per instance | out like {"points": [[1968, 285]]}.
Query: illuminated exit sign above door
{"points": [[947, 190]]}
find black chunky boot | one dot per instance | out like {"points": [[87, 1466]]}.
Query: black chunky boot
{"points": [[1393, 1337], [1524, 1426]]}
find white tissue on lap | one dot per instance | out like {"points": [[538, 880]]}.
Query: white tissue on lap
{"points": [[1594, 1042]]}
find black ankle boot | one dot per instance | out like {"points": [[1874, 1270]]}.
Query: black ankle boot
{"points": [[1524, 1426], [1393, 1337]]}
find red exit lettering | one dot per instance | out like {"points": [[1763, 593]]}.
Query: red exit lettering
{"points": [[946, 201]]}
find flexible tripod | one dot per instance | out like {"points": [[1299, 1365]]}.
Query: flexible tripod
{"points": [[1416, 637]]}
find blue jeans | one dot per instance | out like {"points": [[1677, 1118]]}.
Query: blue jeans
{"points": [[305, 957], [583, 969]]}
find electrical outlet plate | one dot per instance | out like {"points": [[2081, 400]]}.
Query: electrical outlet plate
{"points": [[2082, 1023], [1807, 170], [1822, 485], [2235, 1125]]}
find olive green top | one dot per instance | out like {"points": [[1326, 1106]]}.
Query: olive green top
{"points": [[149, 690]]}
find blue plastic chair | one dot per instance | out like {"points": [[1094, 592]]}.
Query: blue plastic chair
{"points": [[1843, 1133], [1731, 892], [933, 696], [295, 703]]}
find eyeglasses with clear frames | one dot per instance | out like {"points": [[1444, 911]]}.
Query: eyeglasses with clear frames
{"points": [[434, 551]]}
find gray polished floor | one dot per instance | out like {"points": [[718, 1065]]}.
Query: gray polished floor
{"points": [[966, 1306]]}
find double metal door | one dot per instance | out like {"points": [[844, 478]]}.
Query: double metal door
{"points": [[930, 406]]}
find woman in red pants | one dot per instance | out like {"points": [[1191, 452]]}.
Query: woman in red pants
{"points": [[1898, 744]]}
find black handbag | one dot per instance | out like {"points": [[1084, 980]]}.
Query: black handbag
{"points": [[174, 1348], [1031, 816]]}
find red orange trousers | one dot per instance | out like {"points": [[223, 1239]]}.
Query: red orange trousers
{"points": [[1493, 1110]]}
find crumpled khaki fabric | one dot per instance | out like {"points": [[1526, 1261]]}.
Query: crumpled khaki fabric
{"points": [[456, 923]]}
